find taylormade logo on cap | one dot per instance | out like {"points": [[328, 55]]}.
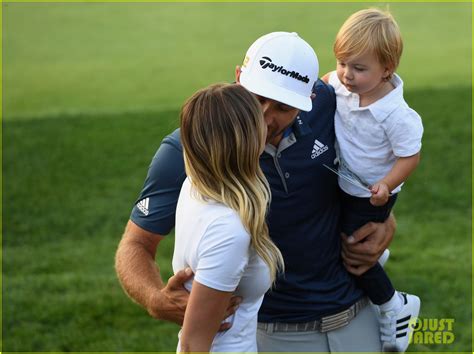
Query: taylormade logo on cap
{"points": [[283, 67], [266, 62]]}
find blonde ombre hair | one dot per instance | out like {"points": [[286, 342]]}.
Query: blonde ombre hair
{"points": [[370, 31], [223, 134]]}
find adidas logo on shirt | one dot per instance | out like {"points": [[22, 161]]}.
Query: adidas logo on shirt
{"points": [[142, 205], [318, 149]]}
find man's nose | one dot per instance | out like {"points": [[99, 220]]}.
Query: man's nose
{"points": [[268, 116], [267, 112], [265, 107]]}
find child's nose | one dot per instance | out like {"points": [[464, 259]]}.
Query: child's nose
{"points": [[348, 74]]}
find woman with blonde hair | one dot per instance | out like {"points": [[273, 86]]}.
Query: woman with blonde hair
{"points": [[221, 233]]}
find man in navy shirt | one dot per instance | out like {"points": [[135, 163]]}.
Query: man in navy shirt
{"points": [[315, 305]]}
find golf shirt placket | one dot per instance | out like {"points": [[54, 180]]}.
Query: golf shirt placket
{"points": [[298, 128]]}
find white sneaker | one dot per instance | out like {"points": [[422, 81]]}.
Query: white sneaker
{"points": [[395, 328], [384, 257]]}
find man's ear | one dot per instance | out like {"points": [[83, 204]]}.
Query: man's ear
{"points": [[313, 95], [237, 73]]}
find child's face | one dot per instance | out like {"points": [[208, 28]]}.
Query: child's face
{"points": [[362, 74]]}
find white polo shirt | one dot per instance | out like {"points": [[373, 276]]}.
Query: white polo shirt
{"points": [[211, 240], [371, 138]]}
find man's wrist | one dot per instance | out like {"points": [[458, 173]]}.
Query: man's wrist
{"points": [[392, 222], [153, 303], [390, 227]]}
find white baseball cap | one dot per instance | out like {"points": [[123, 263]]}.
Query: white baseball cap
{"points": [[283, 67]]}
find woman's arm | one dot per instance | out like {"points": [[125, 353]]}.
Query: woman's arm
{"points": [[206, 308]]}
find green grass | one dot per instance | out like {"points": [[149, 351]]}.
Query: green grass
{"points": [[91, 89], [71, 184], [89, 58]]}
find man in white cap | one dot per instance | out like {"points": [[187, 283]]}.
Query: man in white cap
{"points": [[315, 305]]}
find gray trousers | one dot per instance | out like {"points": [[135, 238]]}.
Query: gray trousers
{"points": [[362, 334]]}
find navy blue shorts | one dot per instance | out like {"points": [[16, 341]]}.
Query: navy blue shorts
{"points": [[357, 212]]}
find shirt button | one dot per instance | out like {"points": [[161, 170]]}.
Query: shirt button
{"points": [[287, 175], [278, 155]]}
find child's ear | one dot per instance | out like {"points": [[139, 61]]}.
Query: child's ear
{"points": [[387, 74]]}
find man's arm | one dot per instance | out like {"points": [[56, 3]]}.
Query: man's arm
{"points": [[141, 280], [325, 78], [363, 249], [140, 277]]}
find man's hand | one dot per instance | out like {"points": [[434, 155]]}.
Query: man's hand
{"points": [[363, 249], [170, 304], [141, 279]]}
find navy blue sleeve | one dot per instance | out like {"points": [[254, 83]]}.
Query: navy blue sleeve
{"points": [[155, 208]]}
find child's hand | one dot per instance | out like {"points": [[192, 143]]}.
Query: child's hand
{"points": [[380, 194]]}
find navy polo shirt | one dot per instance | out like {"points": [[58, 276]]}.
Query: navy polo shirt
{"points": [[303, 217]]}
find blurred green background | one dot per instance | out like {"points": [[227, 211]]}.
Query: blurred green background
{"points": [[90, 90]]}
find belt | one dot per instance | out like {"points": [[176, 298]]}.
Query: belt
{"points": [[325, 324]]}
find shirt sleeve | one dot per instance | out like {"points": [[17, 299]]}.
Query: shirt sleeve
{"points": [[155, 208], [223, 254], [404, 130]]}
